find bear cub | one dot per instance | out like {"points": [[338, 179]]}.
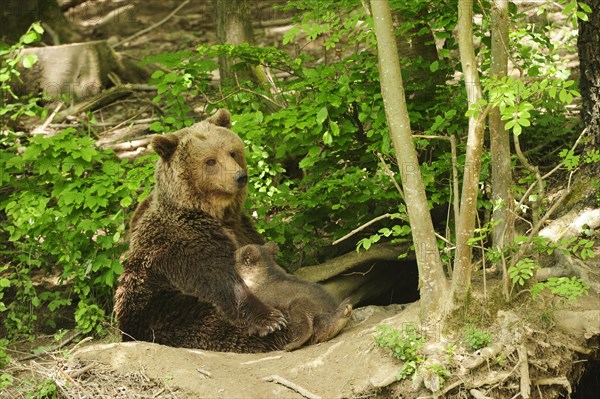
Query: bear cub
{"points": [[313, 314]]}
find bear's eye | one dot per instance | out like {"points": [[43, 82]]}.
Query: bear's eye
{"points": [[233, 154], [211, 162]]}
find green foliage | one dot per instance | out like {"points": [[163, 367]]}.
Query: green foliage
{"points": [[522, 271], [13, 107], [313, 137], [184, 75], [477, 339], [568, 288], [4, 357], [65, 217], [405, 345]]}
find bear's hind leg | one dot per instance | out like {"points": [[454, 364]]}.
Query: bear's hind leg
{"points": [[328, 325], [300, 323]]}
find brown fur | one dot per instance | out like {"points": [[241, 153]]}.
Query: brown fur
{"points": [[314, 315], [180, 286]]}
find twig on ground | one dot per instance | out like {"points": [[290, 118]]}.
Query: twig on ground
{"points": [[204, 372], [294, 387], [51, 349], [131, 144], [152, 27], [264, 359], [86, 339], [555, 381], [42, 128], [113, 124], [524, 369], [364, 226], [485, 354], [83, 370]]}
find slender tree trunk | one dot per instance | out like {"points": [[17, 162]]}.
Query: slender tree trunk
{"points": [[588, 44], [499, 138], [433, 285], [234, 26], [461, 278]]}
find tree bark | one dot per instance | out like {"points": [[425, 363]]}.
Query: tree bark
{"points": [[433, 285], [461, 278], [234, 26], [588, 44], [503, 232], [17, 15]]}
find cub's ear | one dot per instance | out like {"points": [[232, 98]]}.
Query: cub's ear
{"points": [[272, 248], [250, 254], [221, 118], [165, 145]]}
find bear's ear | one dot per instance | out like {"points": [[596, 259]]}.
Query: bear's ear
{"points": [[165, 145], [250, 254], [221, 118]]}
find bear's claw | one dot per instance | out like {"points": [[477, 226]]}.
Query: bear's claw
{"points": [[274, 322]]}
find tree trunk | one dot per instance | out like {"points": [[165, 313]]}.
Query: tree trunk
{"points": [[503, 232], [17, 15], [433, 287], [234, 26], [461, 278], [415, 44], [588, 44]]}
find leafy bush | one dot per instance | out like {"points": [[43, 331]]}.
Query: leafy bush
{"points": [[12, 107], [405, 345], [522, 271], [568, 288], [65, 217], [477, 339]]}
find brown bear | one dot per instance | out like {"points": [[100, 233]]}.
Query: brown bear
{"points": [[180, 286], [313, 314]]}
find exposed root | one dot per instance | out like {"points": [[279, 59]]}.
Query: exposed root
{"points": [[524, 369]]}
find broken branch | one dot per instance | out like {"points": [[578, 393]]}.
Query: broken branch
{"points": [[294, 387]]}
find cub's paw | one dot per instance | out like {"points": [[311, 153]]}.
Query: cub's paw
{"points": [[271, 321], [344, 310]]}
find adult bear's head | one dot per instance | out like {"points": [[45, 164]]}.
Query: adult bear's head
{"points": [[202, 167]]}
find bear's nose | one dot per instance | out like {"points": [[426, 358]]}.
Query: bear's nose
{"points": [[241, 178]]}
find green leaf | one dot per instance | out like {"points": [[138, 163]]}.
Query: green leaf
{"points": [[157, 74], [29, 37], [586, 8], [38, 28], [4, 282], [29, 60], [322, 115], [434, 66], [335, 129], [517, 129], [88, 153]]}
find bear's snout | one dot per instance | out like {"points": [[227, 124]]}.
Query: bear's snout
{"points": [[241, 178]]}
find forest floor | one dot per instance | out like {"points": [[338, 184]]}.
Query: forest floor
{"points": [[547, 345]]}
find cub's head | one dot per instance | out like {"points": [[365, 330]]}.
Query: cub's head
{"points": [[256, 264], [202, 167]]}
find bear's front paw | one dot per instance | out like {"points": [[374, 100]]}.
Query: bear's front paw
{"points": [[273, 321]]}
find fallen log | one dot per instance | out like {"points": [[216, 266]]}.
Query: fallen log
{"points": [[77, 70]]}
